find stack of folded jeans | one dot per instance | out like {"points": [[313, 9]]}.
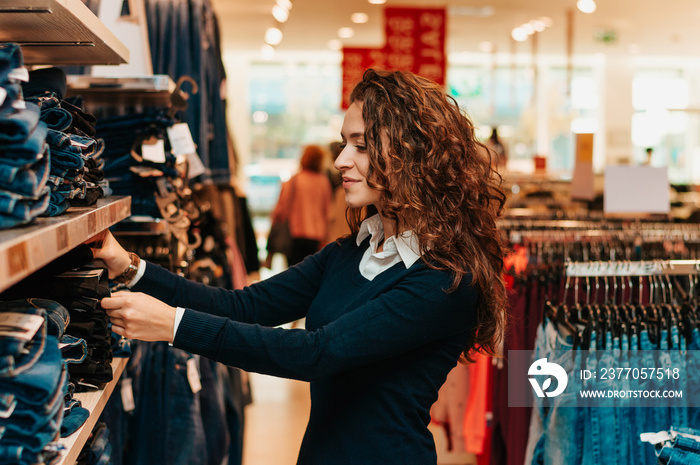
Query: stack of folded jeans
{"points": [[24, 158], [679, 445], [33, 380], [73, 351], [79, 291], [76, 176]]}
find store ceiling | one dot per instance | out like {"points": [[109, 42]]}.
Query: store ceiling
{"points": [[645, 27]]}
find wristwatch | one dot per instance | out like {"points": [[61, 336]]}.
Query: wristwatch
{"points": [[130, 271]]}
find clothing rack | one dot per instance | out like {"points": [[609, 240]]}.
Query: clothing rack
{"points": [[640, 268]]}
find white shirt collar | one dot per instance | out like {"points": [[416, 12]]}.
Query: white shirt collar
{"points": [[405, 244]]}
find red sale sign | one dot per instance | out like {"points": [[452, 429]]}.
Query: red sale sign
{"points": [[355, 61], [415, 41]]}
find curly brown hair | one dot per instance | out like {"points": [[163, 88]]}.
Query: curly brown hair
{"points": [[436, 179]]}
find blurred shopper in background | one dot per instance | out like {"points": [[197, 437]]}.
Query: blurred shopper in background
{"points": [[304, 202]]}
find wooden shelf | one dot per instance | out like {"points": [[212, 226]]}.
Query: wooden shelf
{"points": [[139, 90], [59, 32], [95, 402], [26, 249]]}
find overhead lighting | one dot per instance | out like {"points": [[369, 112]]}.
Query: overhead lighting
{"points": [[267, 51], [281, 14], [538, 25], [528, 28], [377, 2], [546, 20], [346, 32], [286, 4], [273, 36], [335, 44], [359, 18], [519, 34], [586, 6]]}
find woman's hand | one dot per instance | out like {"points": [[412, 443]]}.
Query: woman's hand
{"points": [[106, 248], [139, 316]]}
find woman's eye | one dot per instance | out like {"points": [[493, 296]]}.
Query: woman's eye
{"points": [[361, 148]]}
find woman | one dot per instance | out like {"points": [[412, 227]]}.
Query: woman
{"points": [[304, 202], [389, 310]]}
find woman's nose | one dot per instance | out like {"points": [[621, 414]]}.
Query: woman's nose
{"points": [[343, 161]]}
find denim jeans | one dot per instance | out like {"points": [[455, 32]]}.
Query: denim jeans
{"points": [[12, 349], [693, 379], [14, 94], [17, 209], [57, 119], [16, 127], [25, 153], [74, 416], [167, 426], [29, 181], [10, 58]]}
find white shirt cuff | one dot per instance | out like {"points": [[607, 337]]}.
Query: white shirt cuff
{"points": [[139, 274], [179, 312]]}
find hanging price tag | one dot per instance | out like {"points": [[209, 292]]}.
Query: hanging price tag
{"points": [[3, 94], [196, 167], [154, 152], [181, 139], [193, 376], [127, 392]]}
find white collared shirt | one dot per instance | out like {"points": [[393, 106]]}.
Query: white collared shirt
{"points": [[401, 248]]}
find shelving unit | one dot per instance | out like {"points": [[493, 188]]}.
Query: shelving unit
{"points": [[138, 90], [59, 32], [25, 250], [95, 402]]}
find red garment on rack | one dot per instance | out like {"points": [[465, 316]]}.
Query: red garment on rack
{"points": [[475, 414]]}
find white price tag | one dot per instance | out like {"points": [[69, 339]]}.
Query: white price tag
{"points": [[78, 144], [193, 375], [181, 139], [20, 74], [154, 152], [127, 395], [196, 167], [3, 94], [20, 325]]}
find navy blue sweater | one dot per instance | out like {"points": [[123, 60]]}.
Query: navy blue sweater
{"points": [[376, 352]]}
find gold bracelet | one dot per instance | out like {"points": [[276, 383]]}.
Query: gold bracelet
{"points": [[130, 271]]}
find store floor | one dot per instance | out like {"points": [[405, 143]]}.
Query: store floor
{"points": [[275, 421]]}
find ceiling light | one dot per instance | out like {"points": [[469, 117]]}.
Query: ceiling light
{"points": [[346, 32], [518, 34], [538, 25], [546, 20], [359, 18], [273, 36], [281, 14], [586, 6], [267, 51], [286, 4], [377, 2], [528, 28], [486, 47], [335, 44]]}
